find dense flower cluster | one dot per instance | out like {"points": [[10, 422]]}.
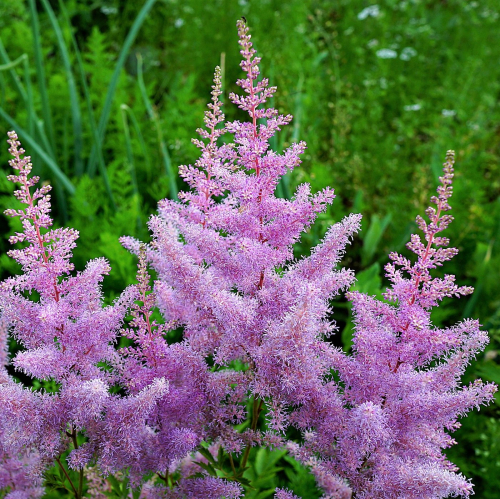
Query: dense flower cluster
{"points": [[255, 335]]}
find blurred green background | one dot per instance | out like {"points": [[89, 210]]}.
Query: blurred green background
{"points": [[106, 95]]}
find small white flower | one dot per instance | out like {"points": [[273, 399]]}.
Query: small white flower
{"points": [[407, 53], [372, 43], [179, 22], [448, 112], [386, 54], [372, 11], [300, 28], [108, 10], [413, 107]]}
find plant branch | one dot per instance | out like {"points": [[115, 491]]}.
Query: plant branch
{"points": [[77, 496]]}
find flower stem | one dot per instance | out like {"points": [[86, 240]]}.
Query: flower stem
{"points": [[256, 410], [77, 495]]}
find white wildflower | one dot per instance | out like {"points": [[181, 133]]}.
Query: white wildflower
{"points": [[407, 53], [413, 107], [372, 11], [386, 54]]}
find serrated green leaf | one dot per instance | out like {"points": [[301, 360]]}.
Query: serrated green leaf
{"points": [[489, 371], [246, 482], [265, 493], [221, 455], [207, 455], [207, 467], [197, 475], [115, 484]]}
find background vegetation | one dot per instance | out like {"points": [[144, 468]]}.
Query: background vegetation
{"points": [[106, 97]]}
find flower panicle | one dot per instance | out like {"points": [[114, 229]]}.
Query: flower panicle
{"points": [[259, 93], [37, 213], [49, 250], [431, 253]]}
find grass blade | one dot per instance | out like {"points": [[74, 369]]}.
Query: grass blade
{"points": [[140, 136], [31, 142], [128, 147], [103, 121], [73, 95], [40, 71], [9, 65], [90, 111], [29, 96], [154, 117]]}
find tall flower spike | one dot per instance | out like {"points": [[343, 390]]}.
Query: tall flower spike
{"points": [[225, 271], [47, 255], [402, 392], [422, 288]]}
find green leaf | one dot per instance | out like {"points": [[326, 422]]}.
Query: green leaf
{"points": [[207, 454], [265, 493], [489, 371], [115, 484], [207, 467], [245, 481], [103, 121], [73, 94], [28, 139], [221, 456], [369, 281], [373, 236]]}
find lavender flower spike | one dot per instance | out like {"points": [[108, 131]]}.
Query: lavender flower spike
{"points": [[402, 394]]}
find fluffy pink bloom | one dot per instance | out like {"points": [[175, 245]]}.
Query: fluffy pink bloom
{"points": [[255, 325]]}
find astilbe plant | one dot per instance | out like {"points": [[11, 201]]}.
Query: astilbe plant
{"points": [[255, 325]]}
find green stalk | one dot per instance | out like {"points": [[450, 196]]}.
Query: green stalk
{"points": [[140, 137], [90, 111], [74, 438], [130, 155], [67, 476], [3, 91], [73, 95], [156, 120], [9, 65], [103, 121], [256, 410], [138, 132], [40, 71], [29, 95], [13, 64], [31, 142], [128, 147]]}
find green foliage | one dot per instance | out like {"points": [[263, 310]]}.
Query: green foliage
{"points": [[270, 469], [262, 475]]}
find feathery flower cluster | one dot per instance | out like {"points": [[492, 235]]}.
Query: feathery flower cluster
{"points": [[255, 334]]}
